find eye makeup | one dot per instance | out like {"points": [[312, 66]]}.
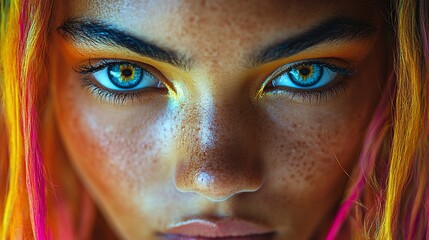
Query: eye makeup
{"points": [[109, 80], [309, 81], [318, 81]]}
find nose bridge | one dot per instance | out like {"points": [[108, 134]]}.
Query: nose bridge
{"points": [[219, 158]]}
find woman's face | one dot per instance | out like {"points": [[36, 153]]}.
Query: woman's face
{"points": [[217, 118]]}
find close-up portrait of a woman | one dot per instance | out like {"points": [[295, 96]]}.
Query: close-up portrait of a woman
{"points": [[214, 119]]}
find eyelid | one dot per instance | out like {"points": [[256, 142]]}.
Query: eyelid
{"points": [[90, 67], [345, 71]]}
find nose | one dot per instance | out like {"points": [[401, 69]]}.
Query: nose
{"points": [[218, 152]]}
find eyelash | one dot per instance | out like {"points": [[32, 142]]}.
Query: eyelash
{"points": [[334, 89], [338, 85], [115, 97]]}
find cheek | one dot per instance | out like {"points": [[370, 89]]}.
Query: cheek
{"points": [[312, 145], [115, 149], [308, 152], [305, 178], [312, 153], [308, 146]]}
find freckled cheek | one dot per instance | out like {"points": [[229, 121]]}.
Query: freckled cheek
{"points": [[305, 151], [302, 175], [113, 148]]}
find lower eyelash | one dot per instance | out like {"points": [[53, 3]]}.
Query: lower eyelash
{"points": [[117, 98], [110, 96], [316, 96], [337, 87]]}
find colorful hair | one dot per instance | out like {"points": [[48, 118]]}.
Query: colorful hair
{"points": [[388, 198], [24, 29]]}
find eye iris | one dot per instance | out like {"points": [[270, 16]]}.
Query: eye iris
{"points": [[306, 75], [305, 71], [127, 72], [125, 75]]}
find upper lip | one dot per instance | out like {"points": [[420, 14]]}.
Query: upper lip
{"points": [[217, 228]]}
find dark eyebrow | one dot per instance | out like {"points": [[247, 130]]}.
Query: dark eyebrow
{"points": [[93, 32], [337, 29]]}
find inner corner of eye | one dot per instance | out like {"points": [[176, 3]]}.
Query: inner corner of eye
{"points": [[272, 83]]}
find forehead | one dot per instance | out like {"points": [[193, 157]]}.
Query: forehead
{"points": [[216, 29], [253, 16]]}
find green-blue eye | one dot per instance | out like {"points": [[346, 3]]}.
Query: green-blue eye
{"points": [[305, 76], [126, 77]]}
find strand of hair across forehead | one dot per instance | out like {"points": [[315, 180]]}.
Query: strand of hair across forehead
{"points": [[21, 70]]}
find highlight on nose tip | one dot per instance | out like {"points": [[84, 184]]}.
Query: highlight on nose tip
{"points": [[214, 188]]}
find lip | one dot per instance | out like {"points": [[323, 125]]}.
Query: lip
{"points": [[222, 229]]}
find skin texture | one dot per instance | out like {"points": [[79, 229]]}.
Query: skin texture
{"points": [[211, 146]]}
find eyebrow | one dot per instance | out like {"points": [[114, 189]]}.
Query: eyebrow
{"points": [[337, 29], [94, 32]]}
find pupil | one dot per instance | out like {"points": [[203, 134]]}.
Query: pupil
{"points": [[304, 71], [127, 72]]}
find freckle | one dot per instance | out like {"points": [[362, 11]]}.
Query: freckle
{"points": [[308, 177]]}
